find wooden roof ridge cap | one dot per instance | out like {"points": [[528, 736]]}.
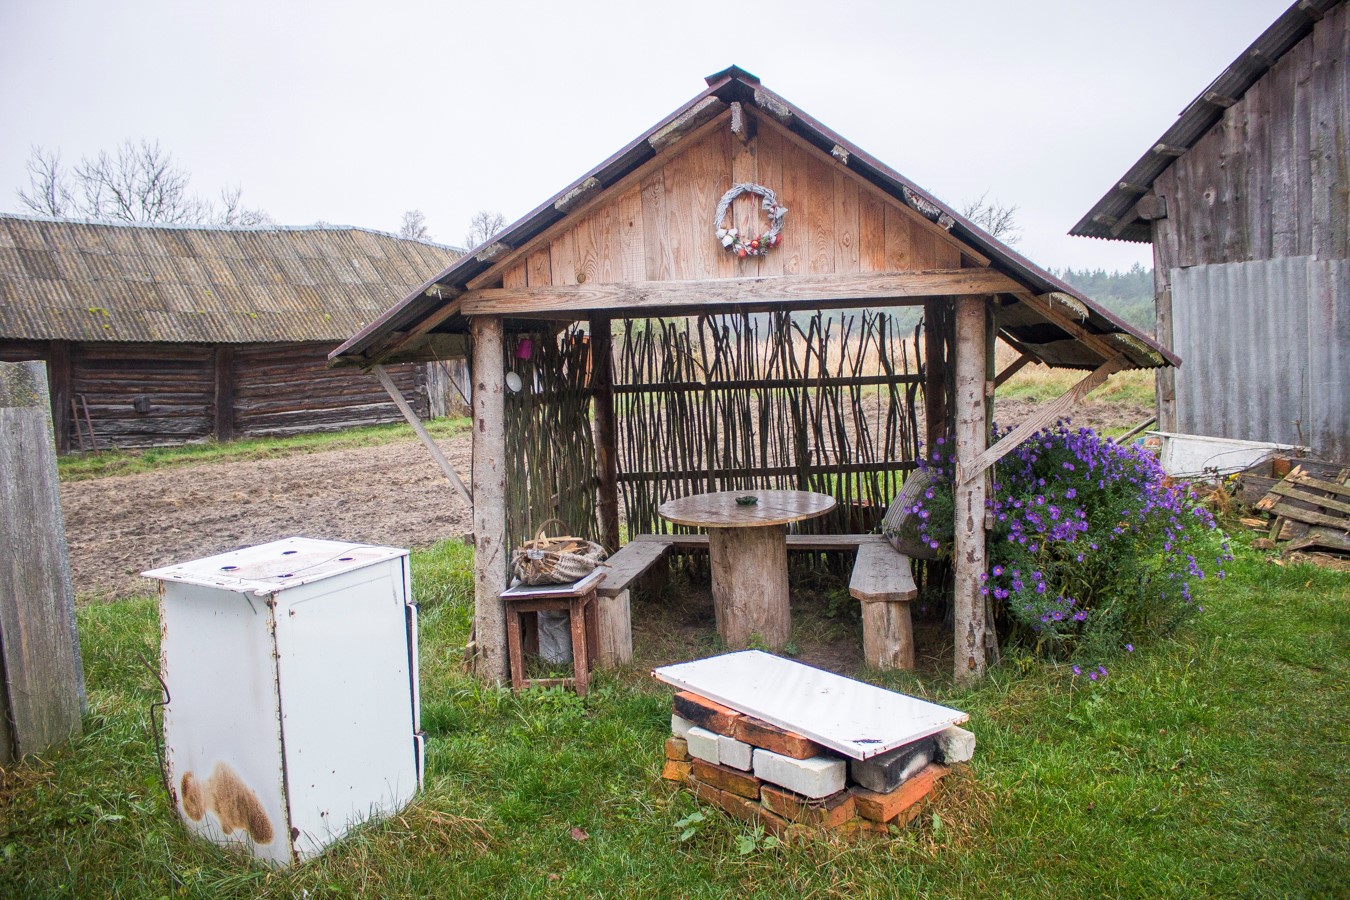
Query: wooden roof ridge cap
{"points": [[1298, 19]]}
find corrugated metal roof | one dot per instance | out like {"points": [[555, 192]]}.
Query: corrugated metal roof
{"points": [[1113, 215], [735, 84], [83, 281]]}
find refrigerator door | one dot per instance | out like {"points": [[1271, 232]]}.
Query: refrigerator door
{"points": [[346, 711]]}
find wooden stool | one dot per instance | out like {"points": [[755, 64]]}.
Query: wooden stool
{"points": [[578, 601]]}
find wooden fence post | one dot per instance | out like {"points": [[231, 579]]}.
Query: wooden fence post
{"points": [[490, 554], [972, 438], [43, 680]]}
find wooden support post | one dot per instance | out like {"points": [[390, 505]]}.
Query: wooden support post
{"points": [[936, 318], [606, 432], [58, 365], [490, 556], [397, 396], [41, 678], [969, 494], [223, 396]]}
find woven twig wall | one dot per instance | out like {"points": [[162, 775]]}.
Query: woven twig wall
{"points": [[550, 470], [825, 402]]}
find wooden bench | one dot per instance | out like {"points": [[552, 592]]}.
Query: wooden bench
{"points": [[882, 581]]}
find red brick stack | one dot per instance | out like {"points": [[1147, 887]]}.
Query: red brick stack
{"points": [[788, 783]]}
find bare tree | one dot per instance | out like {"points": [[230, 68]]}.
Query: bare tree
{"points": [[414, 226], [998, 220], [484, 224], [48, 185], [138, 182], [234, 214]]}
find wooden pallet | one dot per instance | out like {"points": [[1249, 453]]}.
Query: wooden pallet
{"points": [[1311, 508]]}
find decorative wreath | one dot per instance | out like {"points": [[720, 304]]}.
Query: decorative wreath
{"points": [[738, 243]]}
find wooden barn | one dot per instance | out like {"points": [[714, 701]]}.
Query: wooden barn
{"points": [[670, 324], [1246, 200], [157, 335]]}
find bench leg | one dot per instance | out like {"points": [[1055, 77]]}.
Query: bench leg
{"points": [[888, 635], [515, 651], [614, 644], [581, 668]]}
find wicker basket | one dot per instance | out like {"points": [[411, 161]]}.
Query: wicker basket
{"points": [[555, 560]]}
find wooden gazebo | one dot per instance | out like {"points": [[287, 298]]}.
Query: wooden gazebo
{"points": [[635, 238]]}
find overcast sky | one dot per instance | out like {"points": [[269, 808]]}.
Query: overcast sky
{"points": [[353, 112]]}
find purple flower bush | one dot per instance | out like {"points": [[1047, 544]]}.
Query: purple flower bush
{"points": [[1092, 548]]}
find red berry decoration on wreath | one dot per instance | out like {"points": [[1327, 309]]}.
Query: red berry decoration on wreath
{"points": [[758, 245]]}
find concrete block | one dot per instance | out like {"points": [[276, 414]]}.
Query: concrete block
{"points": [[955, 745], [702, 744], [889, 770], [819, 776], [679, 726], [734, 753]]}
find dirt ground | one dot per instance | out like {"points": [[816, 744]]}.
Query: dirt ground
{"points": [[120, 526]]}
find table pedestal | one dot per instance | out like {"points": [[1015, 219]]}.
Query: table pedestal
{"points": [[750, 585]]}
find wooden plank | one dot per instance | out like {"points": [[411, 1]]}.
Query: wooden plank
{"points": [[515, 276], [397, 396], [683, 387], [564, 301], [41, 677], [631, 250], [768, 146], [1285, 489], [847, 224], [659, 265], [969, 493], [795, 542], [563, 258], [626, 566], [539, 268], [1013, 368], [1289, 511], [490, 556], [899, 246], [222, 401], [745, 170], [1055, 409], [871, 233], [821, 251], [59, 369], [1321, 484], [881, 574], [794, 248]]}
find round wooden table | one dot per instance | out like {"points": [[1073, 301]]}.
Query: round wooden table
{"points": [[747, 546]]}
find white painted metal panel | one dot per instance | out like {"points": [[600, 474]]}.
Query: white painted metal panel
{"points": [[345, 708], [1194, 455], [279, 565], [856, 719], [222, 733]]}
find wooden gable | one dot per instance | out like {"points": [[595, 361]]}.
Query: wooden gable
{"points": [[656, 223]]}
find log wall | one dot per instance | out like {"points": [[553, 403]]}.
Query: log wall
{"points": [[151, 395]]}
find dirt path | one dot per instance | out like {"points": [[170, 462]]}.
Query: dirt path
{"points": [[393, 494], [120, 526]]}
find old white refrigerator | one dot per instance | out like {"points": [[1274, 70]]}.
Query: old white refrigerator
{"points": [[291, 670]]}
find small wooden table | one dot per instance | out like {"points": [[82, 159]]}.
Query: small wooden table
{"points": [[747, 546]]}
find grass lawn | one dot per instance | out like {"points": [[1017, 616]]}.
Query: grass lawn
{"points": [[1214, 763]]}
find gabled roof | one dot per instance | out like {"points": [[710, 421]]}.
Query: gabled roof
{"points": [[1050, 320], [70, 280], [1113, 216]]}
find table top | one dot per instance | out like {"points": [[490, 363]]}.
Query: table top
{"points": [[720, 509]]}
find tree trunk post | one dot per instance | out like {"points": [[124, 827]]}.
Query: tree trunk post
{"points": [[969, 497], [490, 556], [606, 432], [41, 676]]}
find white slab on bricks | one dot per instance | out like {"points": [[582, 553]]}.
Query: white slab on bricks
{"points": [[856, 719]]}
